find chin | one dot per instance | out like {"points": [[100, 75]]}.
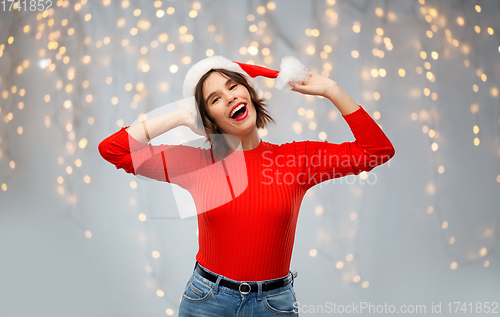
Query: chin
{"points": [[242, 130], [248, 126]]}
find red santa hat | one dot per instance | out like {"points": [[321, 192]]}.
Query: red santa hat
{"points": [[291, 69]]}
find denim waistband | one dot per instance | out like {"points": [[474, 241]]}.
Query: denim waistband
{"points": [[228, 290]]}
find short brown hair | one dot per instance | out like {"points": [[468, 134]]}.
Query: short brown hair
{"points": [[219, 145]]}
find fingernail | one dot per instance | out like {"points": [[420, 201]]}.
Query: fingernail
{"points": [[292, 83]]}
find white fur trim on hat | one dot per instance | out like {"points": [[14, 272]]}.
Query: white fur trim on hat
{"points": [[291, 69], [199, 69]]}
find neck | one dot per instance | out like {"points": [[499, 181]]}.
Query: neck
{"points": [[248, 141]]}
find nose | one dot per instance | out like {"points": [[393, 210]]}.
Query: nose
{"points": [[230, 98]]}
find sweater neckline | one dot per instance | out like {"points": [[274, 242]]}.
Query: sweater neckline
{"points": [[249, 154]]}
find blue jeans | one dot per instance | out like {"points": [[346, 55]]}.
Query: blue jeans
{"points": [[206, 298]]}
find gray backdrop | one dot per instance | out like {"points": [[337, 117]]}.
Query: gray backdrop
{"points": [[78, 247]]}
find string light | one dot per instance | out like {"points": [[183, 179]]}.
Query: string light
{"points": [[56, 57]]}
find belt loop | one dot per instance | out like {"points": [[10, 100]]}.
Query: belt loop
{"points": [[216, 286], [259, 287], [292, 277], [195, 265]]}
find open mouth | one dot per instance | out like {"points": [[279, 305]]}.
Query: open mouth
{"points": [[240, 112]]}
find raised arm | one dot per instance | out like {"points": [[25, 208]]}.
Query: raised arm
{"points": [[328, 160], [158, 125], [320, 161], [128, 149]]}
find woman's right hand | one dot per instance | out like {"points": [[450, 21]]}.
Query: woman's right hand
{"points": [[191, 122]]}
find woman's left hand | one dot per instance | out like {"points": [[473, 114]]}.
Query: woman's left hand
{"points": [[316, 85]]}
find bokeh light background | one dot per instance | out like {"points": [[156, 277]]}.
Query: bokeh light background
{"points": [[79, 238]]}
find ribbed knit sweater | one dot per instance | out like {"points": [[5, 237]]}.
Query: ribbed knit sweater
{"points": [[248, 204]]}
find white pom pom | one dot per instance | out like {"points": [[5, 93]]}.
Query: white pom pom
{"points": [[291, 69]]}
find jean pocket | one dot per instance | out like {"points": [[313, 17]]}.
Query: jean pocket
{"points": [[281, 303], [197, 291], [293, 292]]}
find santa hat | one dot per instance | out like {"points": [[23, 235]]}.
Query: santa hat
{"points": [[291, 69]]}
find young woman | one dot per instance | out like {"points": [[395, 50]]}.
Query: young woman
{"points": [[247, 191]]}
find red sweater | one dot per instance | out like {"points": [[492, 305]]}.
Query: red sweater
{"points": [[248, 207]]}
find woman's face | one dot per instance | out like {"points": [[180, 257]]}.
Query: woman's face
{"points": [[222, 96]]}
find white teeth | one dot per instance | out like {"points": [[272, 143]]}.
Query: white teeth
{"points": [[236, 109]]}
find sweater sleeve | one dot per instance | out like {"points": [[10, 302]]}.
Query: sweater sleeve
{"points": [[166, 163], [321, 161]]}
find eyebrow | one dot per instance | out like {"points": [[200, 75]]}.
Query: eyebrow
{"points": [[210, 96]]}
